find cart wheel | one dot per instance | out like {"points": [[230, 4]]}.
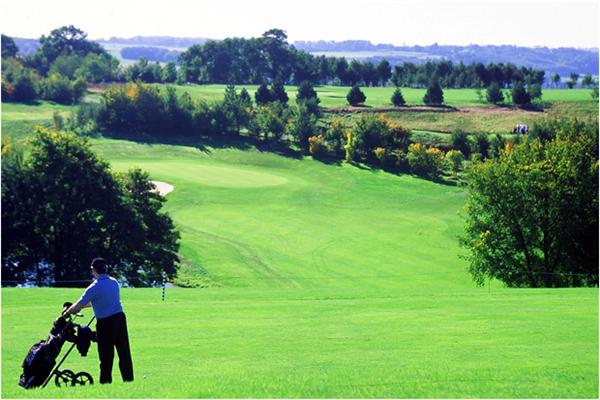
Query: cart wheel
{"points": [[82, 378], [64, 377]]}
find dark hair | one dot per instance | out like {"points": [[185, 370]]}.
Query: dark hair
{"points": [[99, 265]]}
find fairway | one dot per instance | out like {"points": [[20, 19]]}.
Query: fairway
{"points": [[335, 96], [364, 342]]}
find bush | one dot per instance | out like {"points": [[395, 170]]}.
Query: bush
{"points": [[335, 135], [397, 98], [494, 94], [519, 95], [316, 146], [355, 96], [459, 140], [263, 95], [455, 160], [425, 162], [60, 89], [434, 95]]}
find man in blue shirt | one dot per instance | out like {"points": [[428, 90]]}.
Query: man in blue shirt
{"points": [[111, 326]]}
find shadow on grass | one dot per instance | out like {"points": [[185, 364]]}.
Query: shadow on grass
{"points": [[284, 149]]}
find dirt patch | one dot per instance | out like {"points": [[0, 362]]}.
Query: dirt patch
{"points": [[347, 110]]}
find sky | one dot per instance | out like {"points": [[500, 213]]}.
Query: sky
{"points": [[548, 23]]}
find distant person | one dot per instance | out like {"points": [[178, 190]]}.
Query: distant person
{"points": [[111, 326]]}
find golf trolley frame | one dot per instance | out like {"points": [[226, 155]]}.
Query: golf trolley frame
{"points": [[66, 377]]}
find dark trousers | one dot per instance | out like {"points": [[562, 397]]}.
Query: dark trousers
{"points": [[112, 333]]}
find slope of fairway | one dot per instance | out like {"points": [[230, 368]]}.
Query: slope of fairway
{"points": [[344, 343], [262, 220]]}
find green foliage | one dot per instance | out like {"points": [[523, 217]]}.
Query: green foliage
{"points": [[519, 95], [316, 146], [532, 215], [308, 96], [534, 91], [481, 144], [272, 120], [302, 126], [169, 73], [397, 98], [60, 89], [263, 95], [279, 94], [355, 96], [62, 207], [335, 135], [424, 161], [494, 94], [434, 95], [460, 141], [455, 159], [9, 48]]}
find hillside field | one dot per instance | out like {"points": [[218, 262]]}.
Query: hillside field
{"points": [[314, 280]]}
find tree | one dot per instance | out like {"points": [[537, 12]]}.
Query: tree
{"points": [[279, 94], [397, 98], [235, 108], [169, 73], [455, 159], [263, 95], [481, 144], [384, 70], [534, 91], [519, 95], [9, 48], [355, 96], [555, 79], [532, 212], [62, 207], [64, 40], [573, 82], [459, 140], [308, 96], [587, 80], [494, 94], [303, 125], [434, 95]]}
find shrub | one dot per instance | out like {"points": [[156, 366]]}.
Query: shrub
{"points": [[355, 96], [519, 95], [316, 146], [397, 98], [425, 162], [494, 94], [455, 160], [434, 95], [460, 141]]}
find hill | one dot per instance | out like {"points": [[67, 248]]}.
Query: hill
{"points": [[563, 60]]}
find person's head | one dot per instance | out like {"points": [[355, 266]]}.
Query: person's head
{"points": [[98, 266]]}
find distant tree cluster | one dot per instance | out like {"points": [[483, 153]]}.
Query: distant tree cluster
{"points": [[62, 206], [59, 69], [459, 75], [160, 54]]}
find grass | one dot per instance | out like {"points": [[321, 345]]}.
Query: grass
{"points": [[321, 280], [339, 343]]}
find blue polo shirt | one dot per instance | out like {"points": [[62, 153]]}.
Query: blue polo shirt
{"points": [[104, 295]]}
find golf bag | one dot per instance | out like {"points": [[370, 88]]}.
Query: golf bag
{"points": [[40, 361]]}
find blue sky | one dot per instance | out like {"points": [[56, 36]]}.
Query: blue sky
{"points": [[525, 23]]}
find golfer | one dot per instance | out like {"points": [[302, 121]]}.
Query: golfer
{"points": [[111, 325]]}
